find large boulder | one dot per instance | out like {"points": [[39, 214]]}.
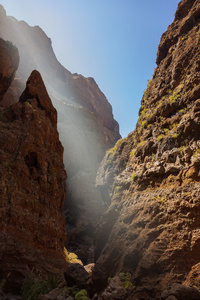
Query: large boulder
{"points": [[75, 274]]}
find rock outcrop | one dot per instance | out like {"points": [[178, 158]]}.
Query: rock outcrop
{"points": [[32, 188], [85, 123], [9, 58], [151, 178]]}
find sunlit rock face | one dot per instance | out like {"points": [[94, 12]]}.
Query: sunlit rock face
{"points": [[151, 178], [32, 187], [85, 123]]}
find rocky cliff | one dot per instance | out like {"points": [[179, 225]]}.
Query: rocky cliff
{"points": [[9, 58], [149, 237], [85, 123], [33, 185]]}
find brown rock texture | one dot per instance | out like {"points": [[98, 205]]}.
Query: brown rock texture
{"points": [[9, 58], [32, 187], [151, 178], [85, 123]]}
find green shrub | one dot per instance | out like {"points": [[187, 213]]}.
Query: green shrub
{"points": [[126, 280], [73, 290], [169, 91], [127, 284], [77, 294], [2, 284], [81, 295], [132, 152], [166, 130], [161, 200], [34, 286], [196, 153], [113, 150], [142, 125], [133, 177], [124, 276], [141, 143], [109, 279], [175, 135], [160, 137], [174, 97], [182, 148], [118, 188]]}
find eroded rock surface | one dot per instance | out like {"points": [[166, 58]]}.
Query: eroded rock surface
{"points": [[32, 188], [151, 178]]}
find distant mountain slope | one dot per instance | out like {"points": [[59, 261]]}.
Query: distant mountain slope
{"points": [[85, 123], [151, 179]]}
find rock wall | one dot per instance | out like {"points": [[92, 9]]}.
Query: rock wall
{"points": [[151, 178], [32, 187], [9, 58], [85, 123]]}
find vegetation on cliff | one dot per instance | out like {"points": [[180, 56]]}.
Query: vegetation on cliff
{"points": [[151, 178]]}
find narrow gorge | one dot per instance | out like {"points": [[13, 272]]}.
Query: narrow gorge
{"points": [[139, 220]]}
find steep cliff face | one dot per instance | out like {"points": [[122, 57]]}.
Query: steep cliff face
{"points": [[85, 123], [151, 178], [32, 188]]}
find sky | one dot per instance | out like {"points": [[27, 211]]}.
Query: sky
{"points": [[113, 41]]}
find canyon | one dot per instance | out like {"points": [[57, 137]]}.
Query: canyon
{"points": [[143, 209]]}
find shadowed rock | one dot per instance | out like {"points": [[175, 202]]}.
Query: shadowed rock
{"points": [[179, 291], [75, 274], [9, 58]]}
